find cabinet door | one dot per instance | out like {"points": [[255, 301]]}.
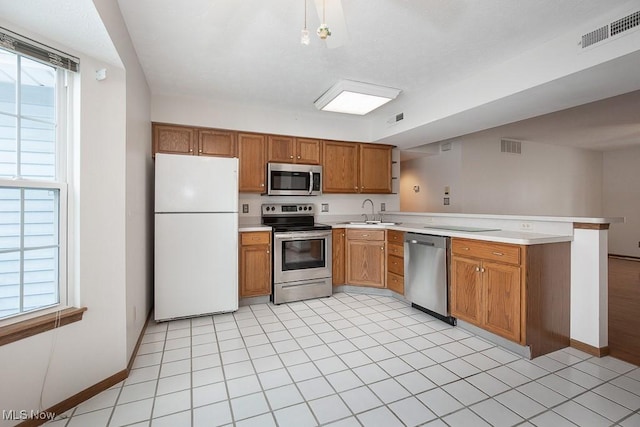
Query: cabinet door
{"points": [[375, 168], [255, 270], [173, 139], [252, 158], [338, 256], [340, 167], [217, 143], [365, 263], [281, 149], [466, 290], [308, 151], [501, 296]]}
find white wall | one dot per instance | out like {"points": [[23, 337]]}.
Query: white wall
{"points": [[93, 349], [622, 198], [544, 180], [139, 177], [209, 113]]}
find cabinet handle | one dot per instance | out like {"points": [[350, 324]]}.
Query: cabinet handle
{"points": [[291, 157], [268, 251], [465, 249], [477, 268], [199, 151], [342, 234], [298, 156], [262, 185], [356, 187], [482, 270], [382, 248], [497, 253]]}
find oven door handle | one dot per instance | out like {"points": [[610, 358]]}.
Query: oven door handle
{"points": [[301, 235]]}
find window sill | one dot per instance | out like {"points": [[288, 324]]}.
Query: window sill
{"points": [[37, 325]]}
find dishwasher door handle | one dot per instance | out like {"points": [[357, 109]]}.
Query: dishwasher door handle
{"points": [[415, 242]]}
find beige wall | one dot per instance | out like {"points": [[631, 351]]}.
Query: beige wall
{"points": [[622, 198], [544, 180]]}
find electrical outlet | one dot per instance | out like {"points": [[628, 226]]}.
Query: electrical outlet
{"points": [[325, 207], [446, 200], [383, 207], [526, 226], [245, 208]]}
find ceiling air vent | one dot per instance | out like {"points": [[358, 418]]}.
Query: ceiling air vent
{"points": [[395, 119], [610, 30], [510, 146], [626, 23], [595, 36]]}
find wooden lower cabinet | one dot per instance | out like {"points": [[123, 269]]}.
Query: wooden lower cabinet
{"points": [[395, 261], [338, 248], [519, 292], [255, 264], [365, 258]]}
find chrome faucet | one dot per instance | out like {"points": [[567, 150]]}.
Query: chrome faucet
{"points": [[373, 215]]}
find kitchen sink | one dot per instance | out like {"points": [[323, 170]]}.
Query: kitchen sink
{"points": [[370, 223]]}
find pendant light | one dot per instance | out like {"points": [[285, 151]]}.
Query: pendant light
{"points": [[304, 38], [323, 30]]}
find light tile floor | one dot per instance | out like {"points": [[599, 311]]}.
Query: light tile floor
{"points": [[352, 360]]}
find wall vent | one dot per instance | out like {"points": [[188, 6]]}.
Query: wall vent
{"points": [[626, 23], [445, 146], [510, 146], [395, 119], [595, 36], [612, 29]]}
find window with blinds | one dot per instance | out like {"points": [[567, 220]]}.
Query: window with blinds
{"points": [[32, 179]]}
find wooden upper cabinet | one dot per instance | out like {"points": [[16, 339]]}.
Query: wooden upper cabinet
{"points": [[308, 151], [213, 142], [173, 139], [375, 168], [281, 149], [252, 155], [287, 149], [340, 167]]}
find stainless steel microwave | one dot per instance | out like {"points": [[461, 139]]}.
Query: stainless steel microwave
{"points": [[285, 179]]}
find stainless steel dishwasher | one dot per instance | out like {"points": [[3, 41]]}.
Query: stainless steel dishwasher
{"points": [[427, 273]]}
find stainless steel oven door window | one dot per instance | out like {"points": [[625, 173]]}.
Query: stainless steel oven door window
{"points": [[285, 179], [301, 255]]}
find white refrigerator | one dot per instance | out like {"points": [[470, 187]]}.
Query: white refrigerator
{"points": [[196, 236]]}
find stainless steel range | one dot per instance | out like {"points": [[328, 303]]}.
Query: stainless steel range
{"points": [[301, 252]]}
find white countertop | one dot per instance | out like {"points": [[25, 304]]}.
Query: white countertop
{"points": [[501, 236], [252, 226], [579, 219]]}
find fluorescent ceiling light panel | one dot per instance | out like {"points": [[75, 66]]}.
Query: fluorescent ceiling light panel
{"points": [[353, 97]]}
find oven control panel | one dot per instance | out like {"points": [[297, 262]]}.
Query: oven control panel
{"points": [[286, 209]]}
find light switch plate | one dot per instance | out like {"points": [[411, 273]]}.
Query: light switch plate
{"points": [[245, 208], [325, 207]]}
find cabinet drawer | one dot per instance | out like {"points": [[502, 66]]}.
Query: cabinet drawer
{"points": [[394, 236], [395, 249], [255, 238], [395, 283], [395, 265], [354, 234], [500, 252]]}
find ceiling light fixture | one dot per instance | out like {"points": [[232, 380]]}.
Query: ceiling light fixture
{"points": [[304, 38], [351, 97]]}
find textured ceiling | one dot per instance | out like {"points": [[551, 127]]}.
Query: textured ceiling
{"points": [[249, 52]]}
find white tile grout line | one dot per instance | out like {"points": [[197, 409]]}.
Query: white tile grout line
{"points": [[324, 310]]}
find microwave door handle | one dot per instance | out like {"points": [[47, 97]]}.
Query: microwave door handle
{"points": [[310, 182]]}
